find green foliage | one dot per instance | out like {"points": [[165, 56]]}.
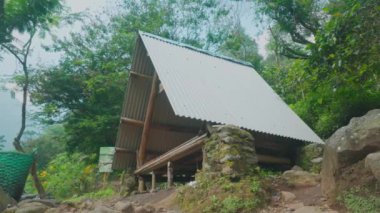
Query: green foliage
{"points": [[305, 156], [214, 193], [293, 22], [358, 200], [48, 145], [340, 77], [85, 90], [239, 45], [102, 193], [69, 176], [25, 16]]}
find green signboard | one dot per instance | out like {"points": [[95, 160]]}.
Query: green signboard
{"points": [[105, 159]]}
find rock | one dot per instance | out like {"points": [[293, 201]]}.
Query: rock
{"points": [[308, 209], [53, 210], [229, 151], [296, 168], [86, 204], [103, 209], [313, 209], [287, 196], [317, 160], [124, 207], [10, 210], [32, 207], [300, 178], [143, 209], [306, 156], [347, 146], [5, 200], [372, 163], [47, 202]]}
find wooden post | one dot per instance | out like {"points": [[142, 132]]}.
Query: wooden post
{"points": [[153, 182], [141, 184], [170, 175], [148, 121]]}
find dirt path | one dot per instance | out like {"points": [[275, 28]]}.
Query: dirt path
{"points": [[305, 200], [164, 199]]}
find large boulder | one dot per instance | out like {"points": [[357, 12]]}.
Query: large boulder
{"points": [[372, 163], [5, 200], [229, 151], [33, 207], [297, 178], [347, 146]]}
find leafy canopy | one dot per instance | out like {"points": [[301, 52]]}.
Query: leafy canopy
{"points": [[85, 90]]}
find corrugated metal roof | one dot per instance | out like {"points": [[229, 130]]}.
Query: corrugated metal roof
{"points": [[203, 86]]}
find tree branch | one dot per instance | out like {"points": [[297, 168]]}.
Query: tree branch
{"points": [[12, 52]]}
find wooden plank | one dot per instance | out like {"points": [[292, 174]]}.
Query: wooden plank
{"points": [[170, 175], [140, 75], [272, 159], [164, 127], [153, 189], [148, 121], [141, 187], [131, 121], [117, 149], [187, 148]]}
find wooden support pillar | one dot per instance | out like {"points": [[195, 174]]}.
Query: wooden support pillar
{"points": [[148, 121], [170, 174], [141, 187], [153, 182]]}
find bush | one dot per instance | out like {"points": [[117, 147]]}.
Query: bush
{"points": [[214, 193], [359, 200], [69, 176], [102, 193]]}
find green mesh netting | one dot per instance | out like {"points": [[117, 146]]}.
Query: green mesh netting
{"points": [[14, 169]]}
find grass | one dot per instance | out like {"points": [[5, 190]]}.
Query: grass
{"points": [[358, 200], [102, 193], [225, 195]]}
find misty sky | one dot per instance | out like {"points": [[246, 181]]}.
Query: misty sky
{"points": [[40, 57]]}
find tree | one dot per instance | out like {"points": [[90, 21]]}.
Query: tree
{"points": [[239, 45], [293, 24], [340, 77], [27, 17], [85, 90], [24, 16], [47, 145]]}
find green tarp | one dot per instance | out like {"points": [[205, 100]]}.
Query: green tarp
{"points": [[14, 169]]}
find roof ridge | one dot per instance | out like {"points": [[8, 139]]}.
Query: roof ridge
{"points": [[244, 63]]}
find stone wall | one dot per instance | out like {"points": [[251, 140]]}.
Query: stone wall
{"points": [[229, 151]]}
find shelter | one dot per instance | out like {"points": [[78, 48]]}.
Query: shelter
{"points": [[174, 90]]}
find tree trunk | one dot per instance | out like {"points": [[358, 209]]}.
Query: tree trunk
{"points": [[16, 142], [36, 180]]}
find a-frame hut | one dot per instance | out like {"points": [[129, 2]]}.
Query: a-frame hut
{"points": [[174, 90]]}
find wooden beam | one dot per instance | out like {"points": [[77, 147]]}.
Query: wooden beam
{"points": [[272, 159], [132, 121], [148, 120], [170, 175], [140, 75], [165, 127], [141, 187], [185, 149], [117, 149]]}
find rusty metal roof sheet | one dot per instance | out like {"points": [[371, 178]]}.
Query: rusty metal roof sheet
{"points": [[202, 86]]}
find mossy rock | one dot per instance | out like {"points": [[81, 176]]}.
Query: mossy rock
{"points": [[229, 151], [307, 156]]}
